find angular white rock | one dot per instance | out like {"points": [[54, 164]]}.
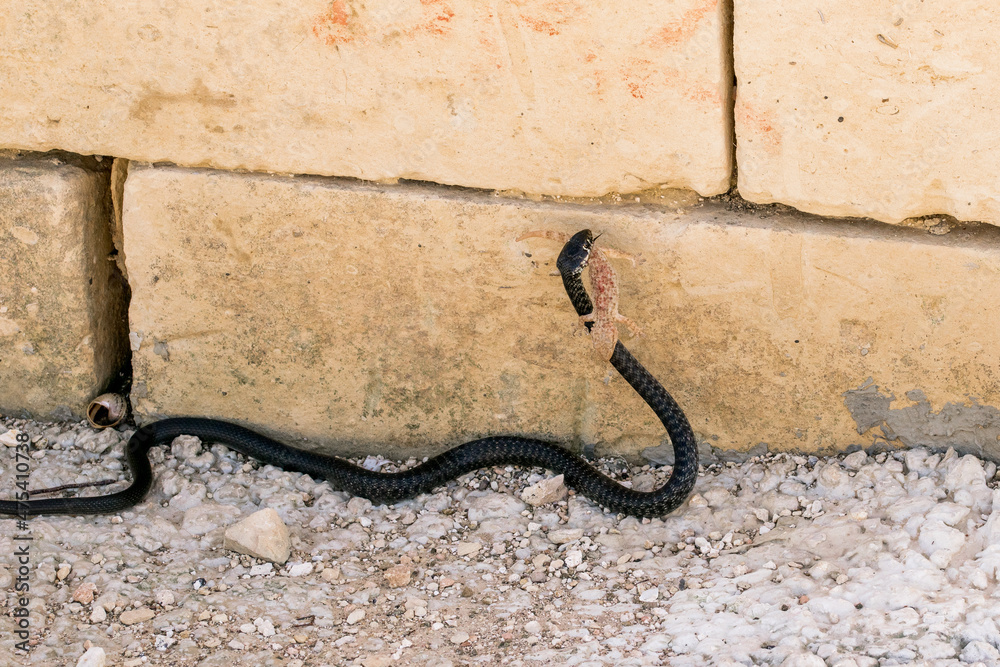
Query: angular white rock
{"points": [[940, 542], [93, 657], [565, 535], [856, 460], [948, 513], [546, 491], [262, 535], [965, 473], [574, 557], [803, 660], [300, 569]]}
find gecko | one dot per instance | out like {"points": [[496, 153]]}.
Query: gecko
{"points": [[604, 282]]}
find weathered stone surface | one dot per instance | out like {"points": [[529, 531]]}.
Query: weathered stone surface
{"points": [[866, 109], [390, 318], [62, 303], [565, 98]]}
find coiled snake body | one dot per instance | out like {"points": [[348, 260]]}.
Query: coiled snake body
{"points": [[392, 487]]}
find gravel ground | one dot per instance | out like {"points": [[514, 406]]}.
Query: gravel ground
{"points": [[776, 560]]}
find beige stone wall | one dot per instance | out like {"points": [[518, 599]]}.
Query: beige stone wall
{"points": [[370, 313], [385, 318], [870, 109], [62, 318], [563, 98]]}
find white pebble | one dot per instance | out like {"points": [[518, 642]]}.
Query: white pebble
{"points": [[92, 657]]}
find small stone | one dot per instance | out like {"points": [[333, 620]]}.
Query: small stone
{"points": [[980, 651], [63, 571], [459, 638], [565, 535], [10, 438], [264, 626], [468, 548], [940, 542], [331, 574], [133, 616], [965, 473], [185, 447], [300, 569], [84, 593], [856, 460], [803, 660], [413, 604], [948, 513], [377, 661], [262, 535], [398, 576], [261, 570], [546, 491], [98, 615], [533, 628], [165, 598], [355, 616], [92, 657], [574, 557], [649, 595], [697, 500]]}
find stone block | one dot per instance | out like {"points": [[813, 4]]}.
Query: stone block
{"points": [[63, 330], [406, 319], [869, 109], [563, 98]]}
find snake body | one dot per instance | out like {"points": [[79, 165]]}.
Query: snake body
{"points": [[392, 487]]}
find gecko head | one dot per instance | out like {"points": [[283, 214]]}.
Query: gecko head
{"points": [[576, 253]]}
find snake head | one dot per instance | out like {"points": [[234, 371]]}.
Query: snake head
{"points": [[576, 253]]}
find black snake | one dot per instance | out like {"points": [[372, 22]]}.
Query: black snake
{"points": [[392, 487]]}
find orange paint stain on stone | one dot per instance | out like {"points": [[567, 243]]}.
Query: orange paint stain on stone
{"points": [[684, 28], [643, 77], [439, 14], [330, 26], [636, 74], [758, 125], [548, 17], [341, 23]]}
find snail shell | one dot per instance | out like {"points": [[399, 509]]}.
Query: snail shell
{"points": [[107, 410]]}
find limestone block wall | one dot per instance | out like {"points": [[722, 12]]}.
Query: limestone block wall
{"points": [[285, 272], [62, 299], [878, 110], [565, 98], [401, 317]]}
